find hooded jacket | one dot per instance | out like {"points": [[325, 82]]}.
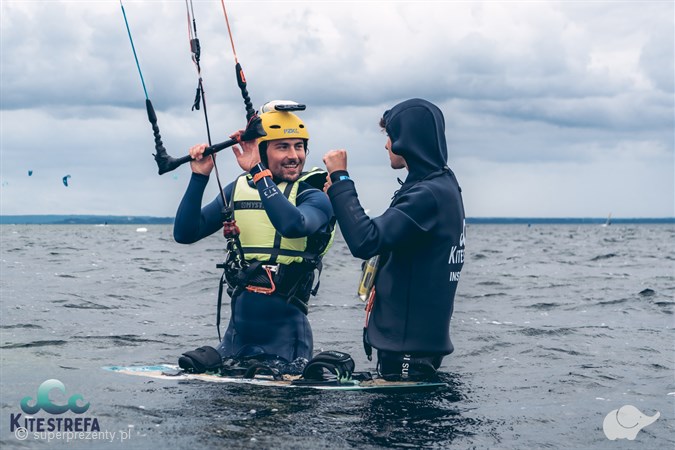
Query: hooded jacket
{"points": [[420, 237]]}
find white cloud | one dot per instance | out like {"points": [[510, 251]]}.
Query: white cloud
{"points": [[540, 90]]}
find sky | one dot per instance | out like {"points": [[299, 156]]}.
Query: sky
{"points": [[552, 109]]}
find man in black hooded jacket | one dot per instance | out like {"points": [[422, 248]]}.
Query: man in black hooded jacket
{"points": [[420, 240]]}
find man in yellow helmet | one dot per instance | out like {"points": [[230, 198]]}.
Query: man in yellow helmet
{"points": [[285, 226]]}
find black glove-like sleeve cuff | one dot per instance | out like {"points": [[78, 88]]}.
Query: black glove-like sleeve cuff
{"points": [[339, 175]]}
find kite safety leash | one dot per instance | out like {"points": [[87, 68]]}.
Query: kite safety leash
{"points": [[196, 50], [200, 95], [254, 128]]}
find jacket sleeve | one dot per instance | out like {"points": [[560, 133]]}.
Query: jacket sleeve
{"points": [[313, 210], [412, 214], [193, 222]]}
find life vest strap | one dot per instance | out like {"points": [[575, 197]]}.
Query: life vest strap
{"points": [[275, 252]]}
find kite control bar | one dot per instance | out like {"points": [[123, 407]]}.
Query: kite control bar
{"points": [[167, 163], [254, 129]]}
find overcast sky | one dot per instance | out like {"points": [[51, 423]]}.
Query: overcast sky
{"points": [[553, 109]]}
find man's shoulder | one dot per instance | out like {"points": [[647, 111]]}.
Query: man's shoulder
{"points": [[436, 185], [422, 188], [305, 187], [307, 191], [309, 195], [425, 195]]}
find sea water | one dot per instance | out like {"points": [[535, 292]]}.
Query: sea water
{"points": [[554, 327]]}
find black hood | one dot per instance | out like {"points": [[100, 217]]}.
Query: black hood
{"points": [[416, 128]]}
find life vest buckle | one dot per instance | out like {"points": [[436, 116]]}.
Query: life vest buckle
{"points": [[272, 267]]}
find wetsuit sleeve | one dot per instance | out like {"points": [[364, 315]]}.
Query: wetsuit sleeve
{"points": [[414, 213], [193, 222], [313, 210]]}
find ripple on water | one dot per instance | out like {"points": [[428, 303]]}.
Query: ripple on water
{"points": [[42, 343]]}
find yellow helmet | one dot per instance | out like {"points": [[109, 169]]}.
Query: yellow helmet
{"points": [[282, 125]]}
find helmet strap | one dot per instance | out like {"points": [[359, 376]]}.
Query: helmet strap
{"points": [[262, 149]]}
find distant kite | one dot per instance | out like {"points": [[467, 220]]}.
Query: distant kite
{"points": [[30, 173], [65, 180]]}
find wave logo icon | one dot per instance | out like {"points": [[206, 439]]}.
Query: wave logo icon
{"points": [[626, 422], [43, 401]]}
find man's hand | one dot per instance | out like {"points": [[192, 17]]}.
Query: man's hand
{"points": [[199, 163], [335, 160], [247, 155], [327, 184]]}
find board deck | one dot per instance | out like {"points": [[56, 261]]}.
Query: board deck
{"points": [[172, 372]]}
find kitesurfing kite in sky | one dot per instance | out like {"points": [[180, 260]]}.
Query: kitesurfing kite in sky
{"points": [[65, 180]]}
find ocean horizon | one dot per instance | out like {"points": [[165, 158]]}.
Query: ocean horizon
{"points": [[84, 219]]}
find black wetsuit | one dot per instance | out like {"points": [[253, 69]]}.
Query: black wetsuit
{"points": [[420, 238], [258, 320]]}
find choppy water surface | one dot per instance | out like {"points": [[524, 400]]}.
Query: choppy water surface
{"points": [[554, 327]]}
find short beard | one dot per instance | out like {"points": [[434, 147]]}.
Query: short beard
{"points": [[286, 179], [279, 178]]}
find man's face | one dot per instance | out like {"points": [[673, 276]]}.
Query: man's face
{"points": [[397, 161], [286, 158]]}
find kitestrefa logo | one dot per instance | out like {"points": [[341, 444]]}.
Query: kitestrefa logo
{"points": [[25, 425], [44, 403], [456, 260]]}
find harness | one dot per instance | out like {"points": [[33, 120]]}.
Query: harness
{"points": [[272, 263]]}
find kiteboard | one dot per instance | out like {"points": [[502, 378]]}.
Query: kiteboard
{"points": [[172, 372]]}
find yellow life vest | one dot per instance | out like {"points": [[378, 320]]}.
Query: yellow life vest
{"points": [[259, 239]]}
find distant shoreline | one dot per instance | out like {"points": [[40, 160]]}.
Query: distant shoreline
{"points": [[82, 220], [149, 220]]}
